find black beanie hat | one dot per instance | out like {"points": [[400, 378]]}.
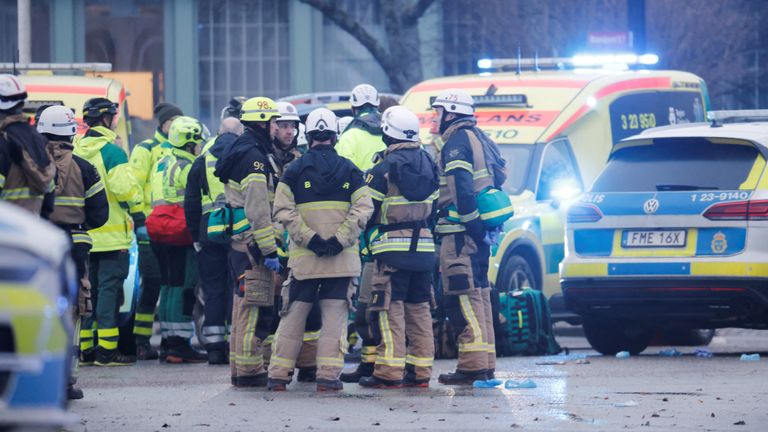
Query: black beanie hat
{"points": [[164, 111]]}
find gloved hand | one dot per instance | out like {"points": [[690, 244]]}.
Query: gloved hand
{"points": [[317, 245], [273, 264], [333, 246], [141, 234], [492, 237], [198, 247]]}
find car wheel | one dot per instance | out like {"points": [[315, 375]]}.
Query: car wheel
{"points": [[198, 315], [517, 274], [688, 337], [609, 336]]}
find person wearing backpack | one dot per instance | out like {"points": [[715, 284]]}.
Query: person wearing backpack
{"points": [[323, 202], [465, 238], [80, 205], [404, 187], [172, 242], [26, 170], [204, 193]]}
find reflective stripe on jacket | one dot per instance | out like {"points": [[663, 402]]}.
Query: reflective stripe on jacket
{"points": [[124, 194]]}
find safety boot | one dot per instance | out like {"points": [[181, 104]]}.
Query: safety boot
{"points": [[144, 350], [462, 378], [113, 357], [277, 384], [180, 351], [74, 393], [307, 374], [258, 380], [162, 353], [87, 357], [218, 357], [326, 385], [491, 373], [375, 382], [409, 378], [363, 370]]}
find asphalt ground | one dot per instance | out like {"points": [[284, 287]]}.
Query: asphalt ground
{"points": [[578, 391]]}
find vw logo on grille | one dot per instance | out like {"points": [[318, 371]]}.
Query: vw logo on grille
{"points": [[651, 206]]}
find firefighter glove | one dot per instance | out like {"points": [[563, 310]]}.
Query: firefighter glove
{"points": [[317, 245]]}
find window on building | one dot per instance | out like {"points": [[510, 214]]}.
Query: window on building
{"points": [[244, 51]]}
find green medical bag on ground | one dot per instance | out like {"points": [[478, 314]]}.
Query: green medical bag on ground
{"points": [[526, 324]]}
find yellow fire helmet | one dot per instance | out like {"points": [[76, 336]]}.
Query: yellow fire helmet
{"points": [[185, 130], [259, 109]]}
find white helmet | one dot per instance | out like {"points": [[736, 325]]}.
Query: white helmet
{"points": [[344, 122], [12, 92], [320, 120], [57, 120], [287, 111], [400, 123], [455, 101], [364, 94]]}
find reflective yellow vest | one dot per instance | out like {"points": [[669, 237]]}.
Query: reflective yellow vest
{"points": [[169, 180], [215, 197]]}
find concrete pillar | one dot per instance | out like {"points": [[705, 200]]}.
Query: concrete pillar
{"points": [[431, 36], [24, 30], [301, 23], [181, 82], [67, 31]]}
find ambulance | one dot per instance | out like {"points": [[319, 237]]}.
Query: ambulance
{"points": [[556, 129]]}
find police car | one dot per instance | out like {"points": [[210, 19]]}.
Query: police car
{"points": [[673, 234], [37, 286]]}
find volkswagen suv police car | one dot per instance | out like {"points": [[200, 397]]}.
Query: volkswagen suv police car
{"points": [[673, 234]]}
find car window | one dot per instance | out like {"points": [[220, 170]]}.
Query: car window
{"points": [[559, 178], [518, 159], [677, 164]]}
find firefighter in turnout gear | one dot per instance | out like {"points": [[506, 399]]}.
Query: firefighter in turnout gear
{"points": [[109, 260], [205, 192], [171, 241], [324, 204], [286, 151], [249, 180], [362, 137], [464, 249], [26, 170], [80, 205], [144, 159], [404, 187]]}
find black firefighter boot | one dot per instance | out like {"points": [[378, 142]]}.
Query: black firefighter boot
{"points": [[462, 377], [180, 351], [363, 370]]}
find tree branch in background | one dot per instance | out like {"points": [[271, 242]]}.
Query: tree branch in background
{"points": [[330, 10], [416, 11]]}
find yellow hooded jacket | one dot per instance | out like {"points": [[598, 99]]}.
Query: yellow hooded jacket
{"points": [[124, 194]]}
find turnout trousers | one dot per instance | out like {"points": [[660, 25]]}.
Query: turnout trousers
{"points": [[332, 343], [464, 273], [403, 313], [250, 324]]}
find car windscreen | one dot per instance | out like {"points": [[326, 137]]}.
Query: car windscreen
{"points": [[674, 164], [518, 157]]}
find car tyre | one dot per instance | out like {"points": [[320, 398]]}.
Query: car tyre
{"points": [[609, 337], [517, 274]]}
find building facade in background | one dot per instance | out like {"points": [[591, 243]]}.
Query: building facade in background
{"points": [[200, 53]]}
